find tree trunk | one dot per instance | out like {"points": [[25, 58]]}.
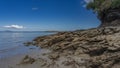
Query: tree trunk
{"points": [[113, 23], [110, 17]]}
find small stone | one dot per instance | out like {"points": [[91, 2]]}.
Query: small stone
{"points": [[28, 43], [54, 56], [27, 60]]}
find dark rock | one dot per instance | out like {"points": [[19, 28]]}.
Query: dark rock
{"points": [[27, 60], [28, 43]]}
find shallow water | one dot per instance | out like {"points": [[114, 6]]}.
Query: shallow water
{"points": [[11, 43]]}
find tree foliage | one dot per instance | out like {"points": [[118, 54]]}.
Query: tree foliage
{"points": [[103, 9], [115, 3], [100, 5]]}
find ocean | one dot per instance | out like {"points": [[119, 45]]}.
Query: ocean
{"points": [[11, 43]]}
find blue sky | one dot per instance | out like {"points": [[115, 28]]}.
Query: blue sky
{"points": [[39, 15]]}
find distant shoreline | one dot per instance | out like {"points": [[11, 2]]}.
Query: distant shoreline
{"points": [[31, 31]]}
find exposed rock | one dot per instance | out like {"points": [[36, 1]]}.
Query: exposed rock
{"points": [[43, 62], [101, 46], [28, 43], [54, 56], [27, 60]]}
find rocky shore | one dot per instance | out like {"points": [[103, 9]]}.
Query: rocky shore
{"points": [[92, 48]]}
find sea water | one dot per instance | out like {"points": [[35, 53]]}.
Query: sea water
{"points": [[11, 43]]}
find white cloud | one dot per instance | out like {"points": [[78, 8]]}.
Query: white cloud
{"points": [[14, 26], [35, 8]]}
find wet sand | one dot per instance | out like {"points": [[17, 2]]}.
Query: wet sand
{"points": [[15, 61], [42, 60]]}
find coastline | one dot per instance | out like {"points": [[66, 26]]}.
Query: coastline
{"points": [[92, 48]]}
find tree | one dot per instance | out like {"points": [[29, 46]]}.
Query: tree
{"points": [[106, 10]]}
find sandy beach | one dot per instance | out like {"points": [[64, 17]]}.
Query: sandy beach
{"points": [[15, 61], [41, 61]]}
